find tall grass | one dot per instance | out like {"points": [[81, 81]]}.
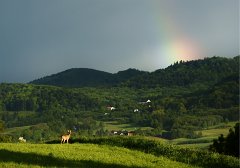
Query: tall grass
{"points": [[173, 152], [79, 155]]}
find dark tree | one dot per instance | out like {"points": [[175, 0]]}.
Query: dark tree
{"points": [[228, 145]]}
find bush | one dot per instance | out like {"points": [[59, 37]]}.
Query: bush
{"points": [[228, 145], [5, 138]]}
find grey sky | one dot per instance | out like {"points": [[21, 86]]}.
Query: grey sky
{"points": [[42, 37]]}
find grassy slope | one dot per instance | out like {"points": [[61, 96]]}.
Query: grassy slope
{"points": [[78, 155], [16, 129], [207, 136], [201, 143], [113, 125], [215, 131]]}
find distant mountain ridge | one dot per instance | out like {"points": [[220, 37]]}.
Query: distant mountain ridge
{"points": [[208, 70], [85, 77]]}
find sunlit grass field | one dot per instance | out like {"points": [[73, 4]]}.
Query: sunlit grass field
{"points": [[208, 135], [215, 132], [79, 155], [114, 125]]}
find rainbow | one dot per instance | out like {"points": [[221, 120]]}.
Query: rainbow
{"points": [[174, 44]]}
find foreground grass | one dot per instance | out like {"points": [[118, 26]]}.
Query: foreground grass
{"points": [[173, 152], [79, 155]]}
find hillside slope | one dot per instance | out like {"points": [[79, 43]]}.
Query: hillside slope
{"points": [[206, 71], [80, 155]]}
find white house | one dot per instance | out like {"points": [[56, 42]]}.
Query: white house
{"points": [[111, 108], [135, 110]]}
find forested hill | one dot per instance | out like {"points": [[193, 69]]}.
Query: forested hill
{"points": [[183, 98], [84, 77], [205, 71]]}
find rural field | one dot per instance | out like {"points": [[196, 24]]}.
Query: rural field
{"points": [[114, 125], [208, 135], [79, 155]]}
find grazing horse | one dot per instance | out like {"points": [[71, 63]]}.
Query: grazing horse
{"points": [[66, 137]]}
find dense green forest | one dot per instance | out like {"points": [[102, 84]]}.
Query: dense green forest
{"points": [[173, 102], [207, 71]]}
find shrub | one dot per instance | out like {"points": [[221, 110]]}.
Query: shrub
{"points": [[5, 138], [228, 145]]}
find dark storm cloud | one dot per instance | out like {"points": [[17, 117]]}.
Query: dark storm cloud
{"points": [[42, 37]]}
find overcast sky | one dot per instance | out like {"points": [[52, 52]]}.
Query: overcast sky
{"points": [[42, 37]]}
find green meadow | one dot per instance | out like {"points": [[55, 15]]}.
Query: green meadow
{"points": [[200, 143], [114, 125], [118, 151], [79, 155]]}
